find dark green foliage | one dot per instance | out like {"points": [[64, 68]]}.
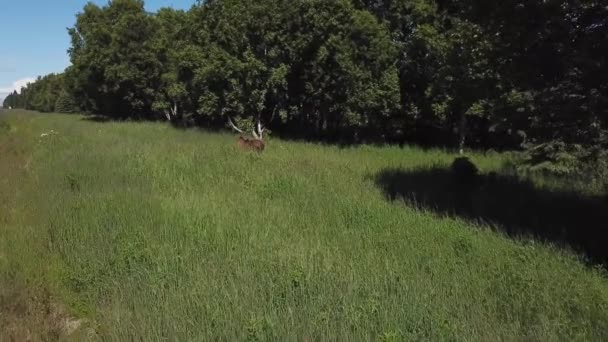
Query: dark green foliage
{"points": [[584, 166], [65, 103], [553, 157], [11, 100], [114, 66], [463, 170]]}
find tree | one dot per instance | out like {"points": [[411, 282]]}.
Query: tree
{"points": [[171, 96], [65, 103], [113, 60]]}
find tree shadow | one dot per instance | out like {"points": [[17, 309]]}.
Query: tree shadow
{"points": [[513, 205], [99, 118], [185, 124]]}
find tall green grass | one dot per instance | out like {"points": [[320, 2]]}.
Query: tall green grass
{"points": [[154, 233]]}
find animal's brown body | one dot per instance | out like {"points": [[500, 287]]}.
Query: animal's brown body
{"points": [[252, 144]]}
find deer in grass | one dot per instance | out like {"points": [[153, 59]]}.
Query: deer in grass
{"points": [[256, 144]]}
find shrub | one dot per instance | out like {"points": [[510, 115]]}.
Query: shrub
{"points": [[65, 103], [584, 168], [464, 170], [594, 170], [556, 158]]}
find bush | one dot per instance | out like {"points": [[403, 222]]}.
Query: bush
{"points": [[65, 103], [593, 172], [553, 158], [464, 170], [582, 168]]}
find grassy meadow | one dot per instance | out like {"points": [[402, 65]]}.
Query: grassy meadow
{"points": [[139, 231]]}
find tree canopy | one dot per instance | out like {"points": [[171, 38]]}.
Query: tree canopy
{"points": [[458, 73]]}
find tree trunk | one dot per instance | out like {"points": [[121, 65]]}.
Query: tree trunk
{"points": [[172, 112], [462, 133]]}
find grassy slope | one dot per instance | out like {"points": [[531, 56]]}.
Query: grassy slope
{"points": [[153, 232]]}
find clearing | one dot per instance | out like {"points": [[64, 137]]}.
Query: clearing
{"points": [[125, 231]]}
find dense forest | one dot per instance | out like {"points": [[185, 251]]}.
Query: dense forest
{"points": [[514, 74]]}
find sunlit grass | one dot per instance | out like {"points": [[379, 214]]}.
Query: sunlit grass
{"points": [[155, 233]]}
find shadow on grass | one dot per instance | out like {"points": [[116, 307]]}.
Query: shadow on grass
{"points": [[297, 134], [177, 124], [514, 206], [98, 118]]}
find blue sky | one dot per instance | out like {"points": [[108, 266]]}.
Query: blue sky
{"points": [[34, 39]]}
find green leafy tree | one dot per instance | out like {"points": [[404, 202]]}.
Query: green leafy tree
{"points": [[112, 55], [65, 103]]}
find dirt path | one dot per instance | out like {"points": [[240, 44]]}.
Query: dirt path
{"points": [[28, 311]]}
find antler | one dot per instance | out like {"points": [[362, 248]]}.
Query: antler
{"points": [[258, 135], [234, 126], [260, 130]]}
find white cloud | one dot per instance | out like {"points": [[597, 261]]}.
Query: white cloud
{"points": [[17, 85]]}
